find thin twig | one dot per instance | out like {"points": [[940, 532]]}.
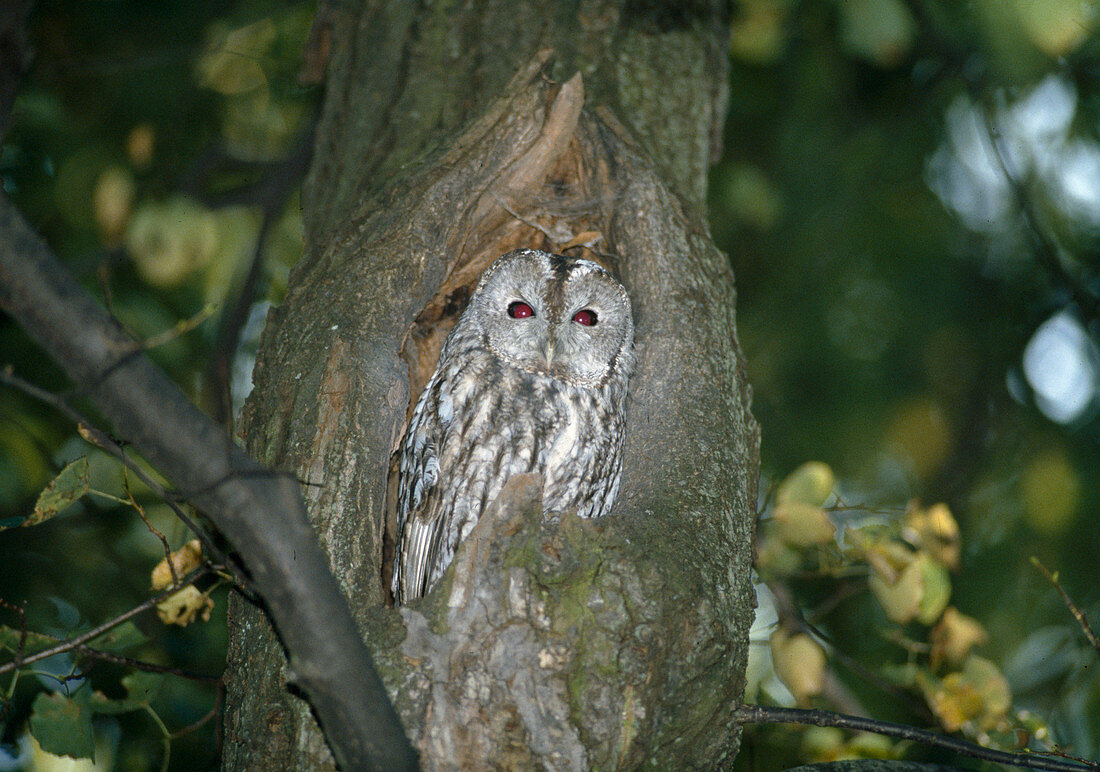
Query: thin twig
{"points": [[136, 664], [145, 519], [1046, 250], [179, 329], [1074, 609], [148, 667], [219, 697], [95, 632], [758, 714]]}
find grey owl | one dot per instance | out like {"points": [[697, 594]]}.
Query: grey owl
{"points": [[533, 378]]}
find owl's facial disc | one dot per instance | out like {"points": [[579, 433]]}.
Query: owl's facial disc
{"points": [[568, 319]]}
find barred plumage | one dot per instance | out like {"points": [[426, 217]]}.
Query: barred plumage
{"points": [[532, 378]]}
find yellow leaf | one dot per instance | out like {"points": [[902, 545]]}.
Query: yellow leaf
{"points": [[812, 483], [182, 607], [977, 695], [803, 525], [954, 637], [935, 531], [799, 662], [887, 558], [773, 556], [954, 701], [993, 688], [919, 592], [71, 483], [185, 560], [900, 599]]}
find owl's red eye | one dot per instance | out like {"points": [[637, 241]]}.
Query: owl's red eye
{"points": [[585, 317], [520, 310]]}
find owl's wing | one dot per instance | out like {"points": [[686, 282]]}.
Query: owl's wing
{"points": [[419, 548], [419, 524]]}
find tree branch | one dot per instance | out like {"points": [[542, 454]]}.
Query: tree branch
{"points": [[759, 714], [107, 443], [262, 515]]}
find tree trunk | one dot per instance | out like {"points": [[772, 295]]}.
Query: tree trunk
{"points": [[452, 133]]}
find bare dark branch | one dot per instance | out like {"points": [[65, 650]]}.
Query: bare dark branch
{"points": [[263, 518]]}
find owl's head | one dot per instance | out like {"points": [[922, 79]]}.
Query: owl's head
{"points": [[565, 317]]}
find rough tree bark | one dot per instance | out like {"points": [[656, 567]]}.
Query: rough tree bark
{"points": [[452, 133]]}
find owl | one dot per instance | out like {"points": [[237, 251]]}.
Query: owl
{"points": [[533, 378]]}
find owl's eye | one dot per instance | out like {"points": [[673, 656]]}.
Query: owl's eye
{"points": [[517, 309], [586, 317]]}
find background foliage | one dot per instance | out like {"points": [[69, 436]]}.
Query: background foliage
{"points": [[914, 317], [918, 322]]}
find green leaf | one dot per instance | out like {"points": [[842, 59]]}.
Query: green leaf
{"points": [[140, 687], [125, 636], [70, 484], [62, 726], [937, 590]]}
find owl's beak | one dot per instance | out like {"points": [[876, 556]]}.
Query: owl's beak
{"points": [[549, 350]]}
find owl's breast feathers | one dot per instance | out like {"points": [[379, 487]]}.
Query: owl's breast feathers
{"points": [[478, 423]]}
